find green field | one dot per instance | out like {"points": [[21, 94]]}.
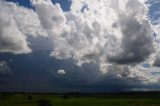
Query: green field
{"points": [[80, 100]]}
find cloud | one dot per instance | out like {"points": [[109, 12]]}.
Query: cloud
{"points": [[106, 33], [100, 36], [156, 59], [97, 35], [16, 23], [115, 35], [137, 42], [131, 73], [61, 71], [54, 22], [11, 39], [4, 68]]}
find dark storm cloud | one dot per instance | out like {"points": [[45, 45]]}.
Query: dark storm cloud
{"points": [[137, 43], [87, 80], [156, 61], [44, 78]]}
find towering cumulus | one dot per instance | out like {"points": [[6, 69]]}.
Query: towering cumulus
{"points": [[116, 35]]}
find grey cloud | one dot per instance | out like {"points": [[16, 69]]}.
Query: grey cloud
{"points": [[156, 61], [137, 42]]}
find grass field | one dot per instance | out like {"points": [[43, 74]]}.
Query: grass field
{"points": [[80, 100]]}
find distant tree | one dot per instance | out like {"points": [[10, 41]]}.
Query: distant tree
{"points": [[44, 102]]}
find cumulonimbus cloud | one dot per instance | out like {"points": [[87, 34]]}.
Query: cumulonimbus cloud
{"points": [[102, 32]]}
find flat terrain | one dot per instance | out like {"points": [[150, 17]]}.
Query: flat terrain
{"points": [[127, 99]]}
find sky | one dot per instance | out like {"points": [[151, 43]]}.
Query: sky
{"points": [[79, 45]]}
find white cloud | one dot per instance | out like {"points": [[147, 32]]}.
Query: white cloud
{"points": [[11, 39], [16, 23], [51, 16], [61, 71], [98, 33]]}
